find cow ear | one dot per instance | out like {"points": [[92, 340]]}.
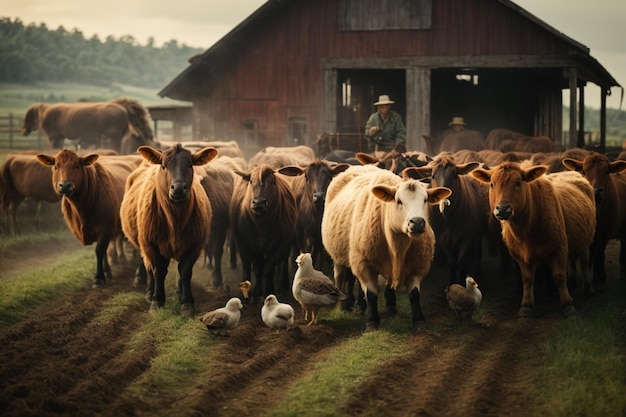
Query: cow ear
{"points": [[150, 154], [291, 171], [46, 160], [466, 168], [531, 174], [384, 193], [437, 194], [89, 159], [338, 169], [482, 175], [617, 166], [204, 156], [366, 159], [417, 173], [245, 175], [572, 164]]}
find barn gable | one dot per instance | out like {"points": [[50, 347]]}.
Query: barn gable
{"points": [[295, 68]]}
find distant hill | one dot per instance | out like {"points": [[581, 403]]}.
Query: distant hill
{"points": [[33, 54]]}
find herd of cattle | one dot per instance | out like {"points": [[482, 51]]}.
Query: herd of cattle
{"points": [[371, 216]]}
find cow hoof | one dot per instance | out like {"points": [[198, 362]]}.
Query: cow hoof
{"points": [[569, 311], [155, 305], [98, 283], [371, 326], [419, 326], [138, 281], [525, 312], [187, 310]]}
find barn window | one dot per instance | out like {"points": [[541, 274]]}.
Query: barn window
{"points": [[346, 93], [297, 131], [385, 14], [251, 132]]}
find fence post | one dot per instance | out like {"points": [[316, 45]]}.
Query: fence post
{"points": [[10, 130]]}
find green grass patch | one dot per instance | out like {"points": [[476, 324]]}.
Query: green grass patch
{"points": [[584, 373], [23, 292], [332, 380]]}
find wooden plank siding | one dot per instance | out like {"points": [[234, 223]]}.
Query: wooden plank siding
{"points": [[283, 64]]}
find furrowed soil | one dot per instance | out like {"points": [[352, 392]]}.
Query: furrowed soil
{"points": [[67, 358]]}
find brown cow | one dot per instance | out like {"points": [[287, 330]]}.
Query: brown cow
{"points": [[545, 220], [21, 177], [263, 216], [167, 215], [88, 122], [608, 180], [90, 201], [375, 224]]}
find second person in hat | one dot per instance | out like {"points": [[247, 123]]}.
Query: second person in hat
{"points": [[384, 129]]}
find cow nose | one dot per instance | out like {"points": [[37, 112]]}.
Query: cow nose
{"points": [[65, 188], [260, 205], [503, 211], [179, 191], [319, 198], [417, 225], [598, 193]]}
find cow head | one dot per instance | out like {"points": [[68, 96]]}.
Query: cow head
{"points": [[318, 175], [263, 186], [67, 170], [409, 199], [596, 168], [508, 192], [177, 164]]}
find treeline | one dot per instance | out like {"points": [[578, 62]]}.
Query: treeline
{"points": [[31, 53]]}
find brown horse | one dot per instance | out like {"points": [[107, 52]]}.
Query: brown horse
{"points": [[89, 122]]}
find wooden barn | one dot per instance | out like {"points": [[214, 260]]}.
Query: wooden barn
{"points": [[297, 68]]}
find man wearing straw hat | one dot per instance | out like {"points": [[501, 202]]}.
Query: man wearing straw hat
{"points": [[384, 129]]}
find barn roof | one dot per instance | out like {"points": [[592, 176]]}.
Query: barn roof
{"points": [[205, 65]]}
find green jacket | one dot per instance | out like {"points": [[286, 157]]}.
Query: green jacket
{"points": [[391, 133]]}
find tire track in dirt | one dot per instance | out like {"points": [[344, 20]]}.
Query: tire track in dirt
{"points": [[484, 373], [63, 358], [254, 367]]}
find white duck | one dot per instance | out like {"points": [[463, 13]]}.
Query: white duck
{"points": [[223, 319], [312, 289], [464, 300], [277, 315]]}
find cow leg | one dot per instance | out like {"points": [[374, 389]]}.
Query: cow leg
{"points": [[159, 271], [622, 258], [597, 256], [369, 283], [346, 284], [233, 251], [218, 252], [101, 262], [418, 321], [528, 296], [257, 288], [150, 284], [559, 275], [185, 270], [38, 215], [372, 320], [141, 275], [390, 300]]}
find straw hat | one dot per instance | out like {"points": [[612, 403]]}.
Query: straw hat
{"points": [[383, 100], [456, 121]]}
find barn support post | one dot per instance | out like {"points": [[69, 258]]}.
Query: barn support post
{"points": [[417, 107], [581, 117], [573, 86], [329, 123], [603, 120]]}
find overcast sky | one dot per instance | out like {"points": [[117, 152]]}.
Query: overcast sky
{"points": [[598, 24]]}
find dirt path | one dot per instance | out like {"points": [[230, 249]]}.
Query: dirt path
{"points": [[67, 358]]}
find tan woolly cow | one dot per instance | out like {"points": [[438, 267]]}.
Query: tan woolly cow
{"points": [[376, 223]]}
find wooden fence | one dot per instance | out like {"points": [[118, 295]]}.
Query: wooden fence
{"points": [[11, 137]]}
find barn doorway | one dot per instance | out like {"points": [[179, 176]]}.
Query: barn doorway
{"points": [[357, 91]]}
